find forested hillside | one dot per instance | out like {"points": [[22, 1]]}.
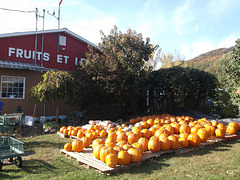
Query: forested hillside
{"points": [[207, 61]]}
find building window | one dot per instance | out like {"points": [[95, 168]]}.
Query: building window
{"points": [[12, 87], [62, 40]]}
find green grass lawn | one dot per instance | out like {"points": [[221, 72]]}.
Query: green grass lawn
{"points": [[44, 161]]}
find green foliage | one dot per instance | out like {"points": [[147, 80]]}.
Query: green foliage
{"points": [[115, 76], [50, 125], [232, 74], [56, 85], [177, 83]]}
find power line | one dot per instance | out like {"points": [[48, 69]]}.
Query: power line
{"points": [[17, 10]]}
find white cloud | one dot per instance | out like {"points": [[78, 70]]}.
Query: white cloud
{"points": [[182, 16], [227, 42]]}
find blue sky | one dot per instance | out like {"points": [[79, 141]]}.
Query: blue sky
{"points": [[192, 27]]}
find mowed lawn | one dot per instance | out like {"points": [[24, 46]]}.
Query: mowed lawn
{"points": [[44, 161]]}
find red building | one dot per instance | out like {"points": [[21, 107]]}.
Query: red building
{"points": [[26, 56]]}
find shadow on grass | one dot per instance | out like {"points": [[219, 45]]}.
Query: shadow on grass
{"points": [[151, 165]]}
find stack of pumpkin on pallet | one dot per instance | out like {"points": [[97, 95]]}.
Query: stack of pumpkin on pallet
{"points": [[122, 144]]}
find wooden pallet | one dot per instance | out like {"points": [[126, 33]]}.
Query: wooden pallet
{"points": [[62, 135], [87, 159]]}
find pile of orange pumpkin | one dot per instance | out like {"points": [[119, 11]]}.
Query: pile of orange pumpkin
{"points": [[124, 144]]}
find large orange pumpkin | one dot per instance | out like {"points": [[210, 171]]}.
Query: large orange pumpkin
{"points": [[111, 160], [203, 135], [194, 140], [144, 142], [221, 126], [96, 150], [103, 133], [174, 142], [135, 154], [154, 144], [165, 143], [77, 145], [124, 158]]}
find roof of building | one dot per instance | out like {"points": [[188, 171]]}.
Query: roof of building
{"points": [[20, 65], [64, 30]]}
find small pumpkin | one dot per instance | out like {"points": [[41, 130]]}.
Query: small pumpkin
{"points": [[220, 133], [86, 141], [68, 147], [138, 145], [203, 135], [184, 129], [165, 143]]}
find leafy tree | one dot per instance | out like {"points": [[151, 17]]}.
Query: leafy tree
{"points": [[117, 73], [56, 86], [232, 74], [177, 83], [169, 59]]}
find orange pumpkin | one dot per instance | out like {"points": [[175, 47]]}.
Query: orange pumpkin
{"points": [[231, 129], [103, 133], [68, 147], [105, 151], [194, 140], [194, 130], [220, 133], [175, 127], [183, 142], [111, 160], [138, 145], [132, 138], [126, 147], [80, 134], [62, 128], [184, 129], [183, 135], [122, 136], [65, 131], [77, 145], [203, 135], [146, 133], [214, 123], [86, 141], [121, 143], [124, 158], [96, 150], [154, 144], [221, 126], [165, 143], [174, 142], [144, 142], [97, 141], [135, 154]]}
